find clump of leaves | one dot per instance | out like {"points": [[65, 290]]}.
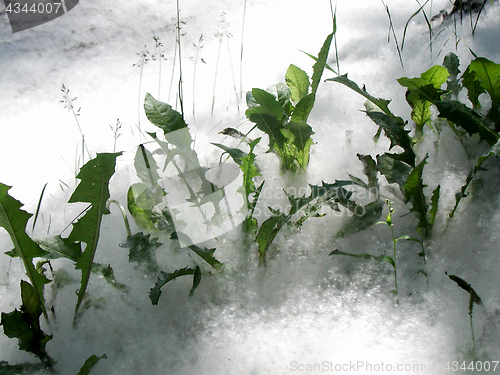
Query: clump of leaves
{"points": [[424, 92], [143, 250], [282, 111], [24, 324], [146, 200]]}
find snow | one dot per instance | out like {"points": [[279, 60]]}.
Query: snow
{"points": [[305, 312]]}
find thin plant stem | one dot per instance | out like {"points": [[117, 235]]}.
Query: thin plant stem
{"points": [[180, 91], [241, 50], [232, 73], [199, 46], [161, 56], [124, 214], [116, 132], [215, 77], [143, 60], [391, 28], [334, 20], [68, 104], [173, 73], [394, 242]]}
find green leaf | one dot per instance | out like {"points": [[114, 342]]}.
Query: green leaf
{"points": [[301, 134], [451, 63], [394, 170], [467, 287], [235, 153], [208, 256], [389, 260], [14, 221], [303, 108], [143, 250], [94, 189], [268, 231], [319, 66], [422, 92], [370, 169], [487, 73], [155, 292], [298, 81], [270, 125], [283, 95], [196, 281], [434, 205], [472, 173], [107, 273], [473, 87], [267, 105], [380, 103], [162, 115], [25, 326], [90, 363], [140, 202], [30, 301], [363, 218], [394, 129], [467, 118], [362, 256], [414, 192], [250, 171], [146, 167]]}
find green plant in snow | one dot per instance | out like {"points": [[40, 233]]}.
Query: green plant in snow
{"points": [[282, 111], [473, 299], [299, 210], [392, 260], [93, 189], [250, 193], [24, 325], [146, 200], [14, 221], [422, 94]]}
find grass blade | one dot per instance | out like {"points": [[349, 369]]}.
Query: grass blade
{"points": [[38, 207]]}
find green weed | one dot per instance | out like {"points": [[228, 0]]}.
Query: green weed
{"points": [[282, 111]]}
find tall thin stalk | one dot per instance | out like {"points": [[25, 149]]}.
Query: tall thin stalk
{"points": [[334, 20], [391, 29], [68, 104], [241, 50], [143, 59], [198, 47], [180, 91], [161, 56]]}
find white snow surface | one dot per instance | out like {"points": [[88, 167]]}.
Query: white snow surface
{"points": [[306, 312]]}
